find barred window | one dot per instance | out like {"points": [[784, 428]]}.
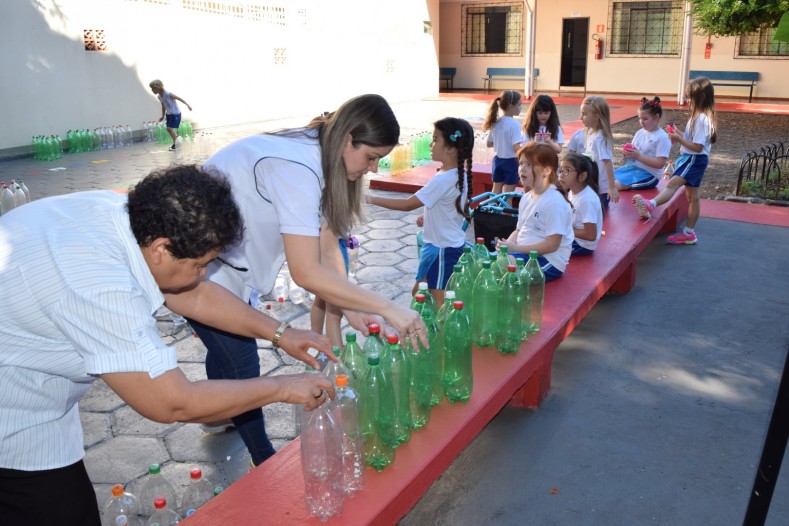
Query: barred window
{"points": [[94, 40], [492, 29], [646, 28], [761, 44]]}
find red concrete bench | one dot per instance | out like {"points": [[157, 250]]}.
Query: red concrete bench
{"points": [[273, 493]]}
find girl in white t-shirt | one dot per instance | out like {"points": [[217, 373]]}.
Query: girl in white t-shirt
{"points": [[542, 123], [545, 218], [694, 149], [445, 198], [648, 153], [505, 138], [578, 177], [596, 118]]}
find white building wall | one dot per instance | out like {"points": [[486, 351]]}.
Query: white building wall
{"points": [[231, 69]]}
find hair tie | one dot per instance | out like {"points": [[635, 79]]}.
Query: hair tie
{"points": [[454, 136], [498, 99]]}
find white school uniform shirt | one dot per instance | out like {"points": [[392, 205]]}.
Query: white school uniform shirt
{"points": [[576, 142], [277, 184], [652, 144], [587, 208], [443, 225], [602, 151], [504, 134], [77, 300], [701, 133], [169, 103], [543, 215]]}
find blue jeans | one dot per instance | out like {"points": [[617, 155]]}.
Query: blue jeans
{"points": [[232, 357]]}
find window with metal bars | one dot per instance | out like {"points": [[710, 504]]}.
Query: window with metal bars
{"points": [[646, 28], [761, 44], [492, 29]]}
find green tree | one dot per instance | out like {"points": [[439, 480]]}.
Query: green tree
{"points": [[726, 18]]}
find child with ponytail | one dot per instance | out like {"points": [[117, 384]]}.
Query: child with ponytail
{"points": [[647, 155], [445, 198], [505, 138], [578, 176]]}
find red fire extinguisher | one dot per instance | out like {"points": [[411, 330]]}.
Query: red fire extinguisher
{"points": [[598, 47]]}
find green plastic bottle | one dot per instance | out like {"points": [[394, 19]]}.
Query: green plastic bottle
{"points": [[523, 276], [377, 416], [502, 262], [481, 254], [458, 377], [536, 291], [430, 301], [373, 343], [459, 283], [421, 373], [486, 307], [354, 359], [511, 298], [397, 366]]}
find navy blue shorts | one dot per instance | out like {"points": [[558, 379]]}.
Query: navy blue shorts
{"points": [[578, 250], [551, 272], [505, 171], [173, 120], [691, 168], [436, 265]]}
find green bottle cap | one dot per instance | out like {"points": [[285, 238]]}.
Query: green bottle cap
{"points": [[373, 359], [519, 262], [486, 264], [335, 350], [457, 267], [533, 254], [467, 249], [350, 337], [154, 469], [503, 249]]}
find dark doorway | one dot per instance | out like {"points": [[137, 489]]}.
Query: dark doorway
{"points": [[495, 31], [575, 42]]}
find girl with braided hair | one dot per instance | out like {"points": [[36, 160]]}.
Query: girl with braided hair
{"points": [[445, 198]]}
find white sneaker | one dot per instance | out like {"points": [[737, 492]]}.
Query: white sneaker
{"points": [[217, 427]]}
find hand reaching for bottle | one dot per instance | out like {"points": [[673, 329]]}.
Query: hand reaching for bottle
{"points": [[308, 389], [296, 342]]}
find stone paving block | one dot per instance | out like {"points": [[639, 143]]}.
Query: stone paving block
{"points": [[127, 421], [384, 245], [190, 444], [408, 266], [100, 398], [191, 350], [124, 458], [381, 258], [269, 360], [193, 371], [379, 273], [280, 420], [385, 233], [386, 224], [95, 427]]}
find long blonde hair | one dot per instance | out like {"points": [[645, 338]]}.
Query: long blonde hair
{"points": [[600, 107], [701, 95]]}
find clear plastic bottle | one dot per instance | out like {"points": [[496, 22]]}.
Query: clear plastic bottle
{"points": [[321, 464], [7, 201], [197, 493], [486, 307], [536, 291], [296, 293], [280, 290], [121, 503], [354, 359], [523, 276], [458, 373], [377, 416], [162, 514], [373, 343], [19, 195], [156, 486], [510, 311], [397, 366], [332, 369], [345, 410]]}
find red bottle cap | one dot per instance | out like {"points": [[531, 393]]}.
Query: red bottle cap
{"points": [[480, 240], [195, 473], [117, 490], [374, 328], [420, 298], [159, 502], [458, 304], [511, 268], [392, 338]]}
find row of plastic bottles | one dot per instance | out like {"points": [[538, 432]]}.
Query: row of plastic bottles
{"points": [[102, 138], [481, 153], [13, 195], [154, 131], [157, 501], [47, 147], [506, 300]]}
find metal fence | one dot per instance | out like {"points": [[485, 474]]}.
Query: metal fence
{"points": [[764, 172]]}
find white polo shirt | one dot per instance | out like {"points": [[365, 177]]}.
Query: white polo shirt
{"points": [[443, 223], [540, 216], [76, 301]]}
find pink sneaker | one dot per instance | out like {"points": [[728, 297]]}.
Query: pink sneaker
{"points": [[644, 206], [681, 238]]}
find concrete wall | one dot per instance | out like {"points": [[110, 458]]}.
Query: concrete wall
{"points": [[302, 58], [613, 74]]}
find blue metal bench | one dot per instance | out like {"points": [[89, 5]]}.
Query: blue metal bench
{"points": [[743, 79], [447, 75], [505, 74]]}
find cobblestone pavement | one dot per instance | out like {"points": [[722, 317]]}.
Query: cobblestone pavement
{"points": [[119, 443]]}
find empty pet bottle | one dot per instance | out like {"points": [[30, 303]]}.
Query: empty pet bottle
{"points": [[523, 276], [354, 359], [162, 514], [459, 282], [430, 301], [321, 464], [502, 262], [280, 290], [156, 486], [486, 307], [122, 503], [536, 291], [296, 293], [373, 343], [510, 311], [197, 493], [7, 201], [377, 416], [422, 373], [345, 410], [481, 254], [467, 260], [397, 366], [436, 353], [458, 377], [332, 369]]}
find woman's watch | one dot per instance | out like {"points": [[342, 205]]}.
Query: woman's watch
{"points": [[278, 333]]}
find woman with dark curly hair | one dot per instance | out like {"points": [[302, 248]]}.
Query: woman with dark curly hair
{"points": [[82, 275]]}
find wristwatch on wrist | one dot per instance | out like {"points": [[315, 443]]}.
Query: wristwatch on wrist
{"points": [[278, 333]]}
